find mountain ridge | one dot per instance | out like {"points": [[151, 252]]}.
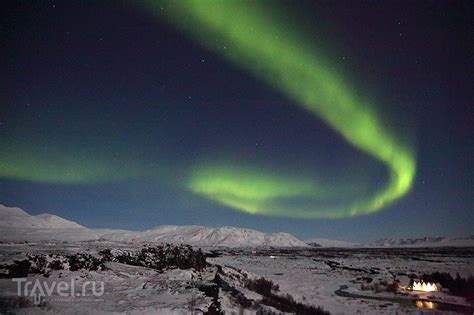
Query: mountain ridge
{"points": [[13, 217], [19, 225]]}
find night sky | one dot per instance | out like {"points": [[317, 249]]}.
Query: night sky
{"points": [[339, 119]]}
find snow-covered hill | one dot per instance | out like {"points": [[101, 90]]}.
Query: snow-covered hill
{"points": [[206, 236], [18, 218], [17, 225]]}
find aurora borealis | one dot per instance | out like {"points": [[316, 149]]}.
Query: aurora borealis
{"points": [[233, 112], [273, 53]]}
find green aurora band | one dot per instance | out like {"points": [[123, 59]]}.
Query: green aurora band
{"points": [[246, 34], [53, 164]]}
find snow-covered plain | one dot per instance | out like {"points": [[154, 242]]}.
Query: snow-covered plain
{"points": [[312, 276], [315, 275]]}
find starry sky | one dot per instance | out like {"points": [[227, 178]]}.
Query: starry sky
{"points": [[342, 119]]}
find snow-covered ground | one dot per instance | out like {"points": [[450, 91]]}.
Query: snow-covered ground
{"points": [[315, 276], [127, 289], [341, 277], [333, 279]]}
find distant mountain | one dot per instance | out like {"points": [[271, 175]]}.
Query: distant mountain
{"points": [[205, 236], [17, 225], [18, 218], [423, 242], [392, 242], [324, 242]]}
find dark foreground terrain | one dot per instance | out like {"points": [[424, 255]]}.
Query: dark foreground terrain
{"points": [[107, 277]]}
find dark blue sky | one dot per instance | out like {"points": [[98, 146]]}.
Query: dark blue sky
{"points": [[112, 82]]}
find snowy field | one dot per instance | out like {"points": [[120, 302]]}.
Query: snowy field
{"points": [[316, 276], [340, 281]]}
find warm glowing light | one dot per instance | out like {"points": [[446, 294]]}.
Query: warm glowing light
{"points": [[425, 304], [425, 287]]}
